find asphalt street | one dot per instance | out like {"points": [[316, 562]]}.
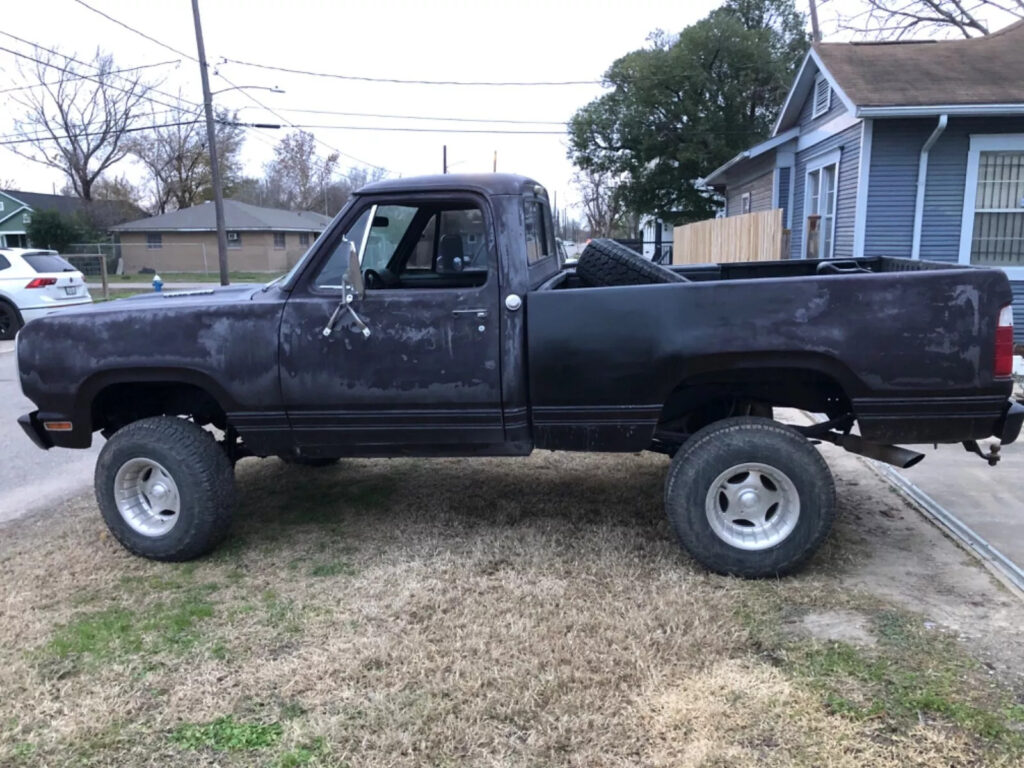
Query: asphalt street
{"points": [[30, 478]]}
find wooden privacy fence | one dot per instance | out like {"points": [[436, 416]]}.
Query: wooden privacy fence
{"points": [[750, 237]]}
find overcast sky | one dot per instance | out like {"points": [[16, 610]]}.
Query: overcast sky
{"points": [[526, 40]]}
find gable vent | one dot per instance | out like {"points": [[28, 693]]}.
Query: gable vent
{"points": [[822, 96]]}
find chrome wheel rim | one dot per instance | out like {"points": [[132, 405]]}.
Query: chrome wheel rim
{"points": [[147, 497], [752, 506]]}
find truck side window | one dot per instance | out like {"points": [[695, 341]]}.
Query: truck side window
{"points": [[408, 246], [538, 241]]}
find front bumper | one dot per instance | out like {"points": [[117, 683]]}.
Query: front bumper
{"points": [[34, 429], [1008, 427]]}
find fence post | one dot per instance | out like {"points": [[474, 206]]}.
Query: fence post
{"points": [[103, 277], [206, 268]]}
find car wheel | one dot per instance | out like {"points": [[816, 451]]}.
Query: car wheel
{"points": [[750, 497], [606, 262], [309, 461], [165, 489], [10, 321]]}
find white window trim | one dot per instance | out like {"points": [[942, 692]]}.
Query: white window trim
{"points": [[815, 112], [990, 142], [812, 165], [745, 203]]}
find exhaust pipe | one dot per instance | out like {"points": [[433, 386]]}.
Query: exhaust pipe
{"points": [[890, 454]]}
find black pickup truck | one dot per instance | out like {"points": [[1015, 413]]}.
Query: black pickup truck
{"points": [[434, 317]]}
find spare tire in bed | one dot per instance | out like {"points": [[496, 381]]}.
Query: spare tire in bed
{"points": [[606, 262]]}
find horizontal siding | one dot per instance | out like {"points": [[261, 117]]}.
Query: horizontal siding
{"points": [[892, 185], [808, 123], [760, 190], [848, 142], [1018, 311], [946, 180]]}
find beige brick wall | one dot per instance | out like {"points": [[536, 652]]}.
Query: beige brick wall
{"points": [[197, 252]]}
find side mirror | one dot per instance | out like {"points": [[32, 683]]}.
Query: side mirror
{"points": [[354, 275]]}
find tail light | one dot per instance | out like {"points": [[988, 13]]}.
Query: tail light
{"points": [[1004, 343], [42, 282]]}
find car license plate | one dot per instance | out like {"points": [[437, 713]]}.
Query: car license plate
{"points": [[72, 290]]}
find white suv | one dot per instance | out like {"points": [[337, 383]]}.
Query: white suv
{"points": [[33, 283]]}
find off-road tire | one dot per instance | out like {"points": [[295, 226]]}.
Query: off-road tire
{"points": [[309, 461], [10, 321], [731, 442], [199, 467], [606, 262]]}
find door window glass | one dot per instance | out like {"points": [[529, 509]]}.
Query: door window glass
{"points": [[538, 246]]}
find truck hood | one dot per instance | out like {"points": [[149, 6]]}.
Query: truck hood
{"points": [[204, 297]]}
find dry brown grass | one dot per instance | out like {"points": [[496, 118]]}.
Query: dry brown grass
{"points": [[411, 612]]}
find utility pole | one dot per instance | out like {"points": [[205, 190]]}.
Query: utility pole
{"points": [[494, 168], [211, 138], [815, 29], [444, 159]]}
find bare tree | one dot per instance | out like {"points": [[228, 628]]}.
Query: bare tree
{"points": [[77, 123], [603, 206], [177, 159], [297, 177], [898, 19]]}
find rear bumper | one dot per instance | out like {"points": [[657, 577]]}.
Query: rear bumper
{"points": [[1009, 426], [34, 429]]}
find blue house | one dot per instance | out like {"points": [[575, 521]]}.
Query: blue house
{"points": [[911, 149]]}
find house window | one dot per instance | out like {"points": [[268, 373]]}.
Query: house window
{"points": [[822, 96], [303, 238], [26, 218], [154, 240], [279, 239], [997, 237], [1, 205], [745, 203], [234, 239], [820, 207]]}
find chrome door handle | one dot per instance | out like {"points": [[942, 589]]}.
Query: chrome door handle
{"points": [[479, 313]]}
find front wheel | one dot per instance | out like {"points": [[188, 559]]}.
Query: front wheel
{"points": [[750, 497], [165, 489]]}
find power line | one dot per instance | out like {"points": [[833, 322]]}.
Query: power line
{"points": [[68, 57], [293, 125], [42, 134], [400, 81], [427, 117], [246, 93], [136, 31], [411, 129], [100, 133], [112, 72]]}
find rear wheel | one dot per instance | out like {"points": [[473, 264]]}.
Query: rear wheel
{"points": [[10, 321], [165, 488], [750, 497], [606, 262]]}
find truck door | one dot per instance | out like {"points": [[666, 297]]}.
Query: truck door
{"points": [[427, 378]]}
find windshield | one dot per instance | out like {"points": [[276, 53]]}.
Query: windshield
{"points": [[47, 262], [287, 278]]}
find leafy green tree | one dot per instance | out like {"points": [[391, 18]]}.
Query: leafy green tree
{"points": [[682, 107], [49, 229]]}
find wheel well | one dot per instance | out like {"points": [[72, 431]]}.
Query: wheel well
{"points": [[709, 397], [119, 404]]}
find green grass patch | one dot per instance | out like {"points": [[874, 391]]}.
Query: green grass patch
{"points": [[304, 755], [170, 626], [227, 734], [332, 568], [912, 671]]}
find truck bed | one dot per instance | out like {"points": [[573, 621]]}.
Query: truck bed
{"points": [[907, 347]]}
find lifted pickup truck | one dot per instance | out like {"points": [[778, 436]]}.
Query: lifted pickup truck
{"points": [[434, 318]]}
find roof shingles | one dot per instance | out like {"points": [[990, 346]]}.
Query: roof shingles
{"points": [[980, 70], [238, 216]]}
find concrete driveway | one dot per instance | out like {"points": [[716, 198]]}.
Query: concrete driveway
{"points": [[31, 478], [987, 500]]}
